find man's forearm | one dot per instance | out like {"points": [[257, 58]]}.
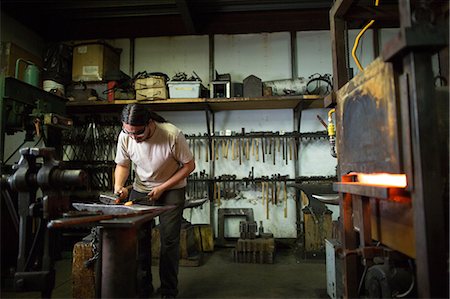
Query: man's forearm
{"points": [[182, 173], [120, 176]]}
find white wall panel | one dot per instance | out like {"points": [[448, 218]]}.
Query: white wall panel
{"points": [[314, 53], [265, 55], [123, 44], [174, 54]]}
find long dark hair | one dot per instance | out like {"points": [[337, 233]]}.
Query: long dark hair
{"points": [[139, 115]]}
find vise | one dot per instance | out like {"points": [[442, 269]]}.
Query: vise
{"points": [[37, 170]]}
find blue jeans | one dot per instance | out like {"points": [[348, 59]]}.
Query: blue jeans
{"points": [[170, 226]]}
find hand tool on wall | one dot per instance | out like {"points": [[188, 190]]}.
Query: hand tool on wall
{"points": [[290, 149], [233, 145], [214, 149], [263, 192], [227, 145], [199, 149], [263, 149], [253, 147], [257, 149], [240, 151], [285, 197], [235, 190], [272, 192], [270, 145], [278, 188], [267, 200], [207, 147], [247, 149], [266, 141], [287, 148], [217, 149], [217, 192], [223, 148], [273, 153], [205, 185], [279, 144]]}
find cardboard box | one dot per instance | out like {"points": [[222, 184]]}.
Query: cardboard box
{"points": [[151, 93], [150, 82], [9, 53], [92, 61]]}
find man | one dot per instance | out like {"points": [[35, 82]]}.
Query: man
{"points": [[162, 161]]}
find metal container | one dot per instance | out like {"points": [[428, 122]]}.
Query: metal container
{"points": [[32, 72], [287, 87]]}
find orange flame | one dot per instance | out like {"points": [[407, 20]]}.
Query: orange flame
{"points": [[382, 179]]}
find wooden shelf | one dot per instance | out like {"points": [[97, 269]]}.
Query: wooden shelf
{"points": [[215, 104]]}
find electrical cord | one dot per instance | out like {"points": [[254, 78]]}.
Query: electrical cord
{"points": [[411, 286], [319, 89], [14, 152], [358, 37]]}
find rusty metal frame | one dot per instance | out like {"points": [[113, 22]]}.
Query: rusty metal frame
{"points": [[418, 152]]}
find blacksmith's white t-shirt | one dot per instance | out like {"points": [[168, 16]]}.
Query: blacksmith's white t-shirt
{"points": [[157, 158]]}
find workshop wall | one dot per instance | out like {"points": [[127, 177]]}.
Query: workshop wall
{"points": [[313, 53], [265, 55], [15, 32], [171, 55]]}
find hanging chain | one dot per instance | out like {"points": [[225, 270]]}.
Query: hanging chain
{"points": [[95, 250]]}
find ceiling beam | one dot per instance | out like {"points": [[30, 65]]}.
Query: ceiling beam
{"points": [[186, 16]]}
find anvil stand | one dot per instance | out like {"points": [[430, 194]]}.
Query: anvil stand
{"points": [[126, 254]]}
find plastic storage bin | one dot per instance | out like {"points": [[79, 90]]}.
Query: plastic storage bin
{"points": [[184, 89]]}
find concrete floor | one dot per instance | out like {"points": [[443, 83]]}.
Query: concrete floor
{"points": [[219, 277]]}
